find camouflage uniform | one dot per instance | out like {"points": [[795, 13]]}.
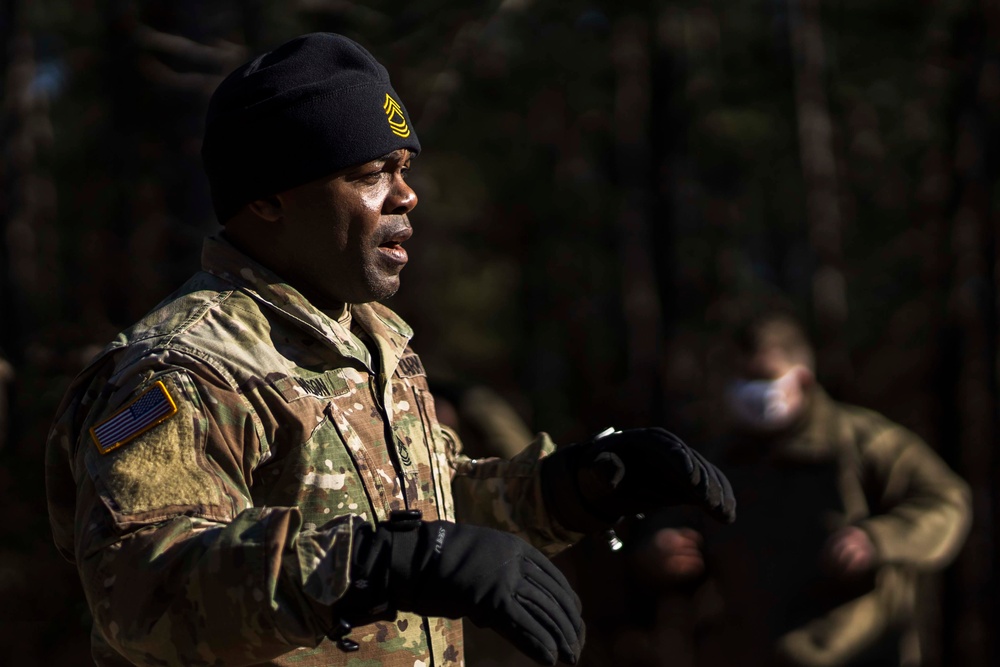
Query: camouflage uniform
{"points": [[198, 540], [844, 466]]}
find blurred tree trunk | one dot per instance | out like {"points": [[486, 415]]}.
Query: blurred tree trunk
{"points": [[30, 268], [669, 171], [9, 318], [941, 595], [972, 348], [28, 203], [161, 62], [7, 21], [823, 212], [630, 54]]}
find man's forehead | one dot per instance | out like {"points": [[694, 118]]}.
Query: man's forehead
{"points": [[398, 155]]}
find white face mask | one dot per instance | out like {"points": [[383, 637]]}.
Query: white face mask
{"points": [[765, 405]]}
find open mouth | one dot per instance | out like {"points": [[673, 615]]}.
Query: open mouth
{"points": [[394, 251]]}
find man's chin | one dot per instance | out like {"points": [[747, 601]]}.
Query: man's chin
{"points": [[384, 288]]}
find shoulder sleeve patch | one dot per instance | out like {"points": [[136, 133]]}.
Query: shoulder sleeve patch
{"points": [[167, 471], [151, 407]]}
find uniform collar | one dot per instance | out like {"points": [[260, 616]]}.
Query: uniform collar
{"points": [[387, 330]]}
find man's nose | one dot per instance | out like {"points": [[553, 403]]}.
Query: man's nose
{"points": [[402, 199]]}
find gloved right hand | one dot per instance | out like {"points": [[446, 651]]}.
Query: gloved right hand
{"points": [[440, 568]]}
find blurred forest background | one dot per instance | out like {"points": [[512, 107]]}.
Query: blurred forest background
{"points": [[601, 183]]}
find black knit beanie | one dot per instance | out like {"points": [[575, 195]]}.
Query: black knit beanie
{"points": [[316, 104]]}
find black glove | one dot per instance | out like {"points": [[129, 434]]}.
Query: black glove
{"points": [[590, 486], [440, 568]]}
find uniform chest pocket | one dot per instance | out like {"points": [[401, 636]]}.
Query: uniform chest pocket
{"points": [[422, 450], [331, 458], [361, 429]]}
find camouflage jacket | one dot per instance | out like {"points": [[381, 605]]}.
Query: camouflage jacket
{"points": [[214, 454], [844, 466]]}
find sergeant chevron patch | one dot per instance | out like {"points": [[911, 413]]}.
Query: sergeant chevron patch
{"points": [[394, 114], [142, 413]]}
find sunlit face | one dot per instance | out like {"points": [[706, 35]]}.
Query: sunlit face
{"points": [[344, 232]]}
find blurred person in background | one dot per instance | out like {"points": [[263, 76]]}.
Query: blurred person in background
{"points": [[486, 422], [255, 470], [841, 510]]}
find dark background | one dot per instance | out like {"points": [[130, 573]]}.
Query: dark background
{"points": [[600, 185]]}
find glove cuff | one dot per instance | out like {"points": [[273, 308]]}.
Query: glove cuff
{"points": [[406, 533], [380, 564], [564, 500]]}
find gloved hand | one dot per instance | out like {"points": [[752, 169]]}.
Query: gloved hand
{"points": [[591, 485], [440, 568]]}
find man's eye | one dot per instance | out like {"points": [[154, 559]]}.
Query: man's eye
{"points": [[404, 172], [372, 177]]}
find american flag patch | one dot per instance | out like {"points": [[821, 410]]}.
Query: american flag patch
{"points": [[143, 413]]}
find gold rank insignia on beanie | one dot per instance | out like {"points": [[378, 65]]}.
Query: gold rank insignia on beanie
{"points": [[151, 407], [394, 114]]}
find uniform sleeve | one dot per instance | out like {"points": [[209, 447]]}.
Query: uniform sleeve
{"points": [[507, 494], [178, 565], [921, 511]]}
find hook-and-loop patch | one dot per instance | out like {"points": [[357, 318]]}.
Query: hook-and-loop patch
{"points": [[151, 407]]}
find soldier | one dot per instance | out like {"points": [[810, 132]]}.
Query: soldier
{"points": [[841, 510], [254, 473]]}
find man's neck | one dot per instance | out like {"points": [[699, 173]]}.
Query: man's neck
{"points": [[340, 313], [243, 243]]}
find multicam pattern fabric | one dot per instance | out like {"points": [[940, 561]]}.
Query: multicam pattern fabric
{"points": [[222, 535]]}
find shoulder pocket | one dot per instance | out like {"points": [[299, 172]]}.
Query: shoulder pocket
{"points": [[160, 470]]}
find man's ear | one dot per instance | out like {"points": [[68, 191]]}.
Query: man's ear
{"points": [[268, 208]]}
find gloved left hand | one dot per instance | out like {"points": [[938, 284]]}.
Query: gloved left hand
{"points": [[591, 485]]}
